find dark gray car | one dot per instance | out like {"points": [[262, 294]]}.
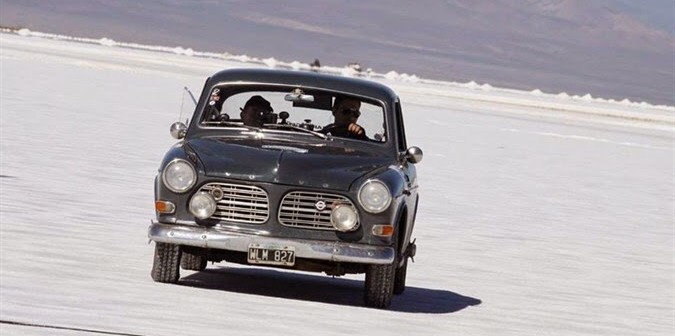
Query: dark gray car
{"points": [[288, 191]]}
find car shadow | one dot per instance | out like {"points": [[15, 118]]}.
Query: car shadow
{"points": [[321, 288]]}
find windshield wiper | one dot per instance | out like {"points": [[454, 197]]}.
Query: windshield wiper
{"points": [[301, 129]]}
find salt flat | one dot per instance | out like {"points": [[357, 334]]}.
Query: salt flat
{"points": [[538, 215]]}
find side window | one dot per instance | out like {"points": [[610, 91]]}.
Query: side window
{"points": [[372, 120], [400, 128]]}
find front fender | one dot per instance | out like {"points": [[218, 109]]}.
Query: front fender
{"points": [[392, 176], [394, 179]]}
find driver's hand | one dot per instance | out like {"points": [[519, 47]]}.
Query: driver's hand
{"points": [[355, 129]]}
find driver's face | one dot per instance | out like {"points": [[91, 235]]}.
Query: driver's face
{"points": [[252, 116], [345, 113]]}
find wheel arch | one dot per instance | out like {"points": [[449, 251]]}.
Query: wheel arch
{"points": [[405, 221], [401, 227]]}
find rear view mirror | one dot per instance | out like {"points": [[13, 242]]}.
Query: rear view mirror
{"points": [[297, 96]]}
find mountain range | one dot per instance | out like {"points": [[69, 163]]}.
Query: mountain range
{"points": [[608, 48]]}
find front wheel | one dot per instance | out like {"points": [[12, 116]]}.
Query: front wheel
{"points": [[379, 286], [166, 264], [193, 261], [399, 278]]}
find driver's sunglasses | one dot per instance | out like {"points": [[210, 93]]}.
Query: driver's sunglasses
{"points": [[259, 110], [262, 111], [352, 112]]}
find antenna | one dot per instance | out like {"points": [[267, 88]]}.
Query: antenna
{"points": [[182, 101], [191, 95]]}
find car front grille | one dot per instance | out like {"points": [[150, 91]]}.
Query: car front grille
{"points": [[299, 209], [239, 203]]}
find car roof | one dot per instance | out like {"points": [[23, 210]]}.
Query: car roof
{"points": [[306, 79]]}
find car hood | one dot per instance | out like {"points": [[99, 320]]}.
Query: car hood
{"points": [[319, 165]]}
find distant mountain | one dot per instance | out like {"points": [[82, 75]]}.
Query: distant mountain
{"points": [[659, 14], [604, 47]]}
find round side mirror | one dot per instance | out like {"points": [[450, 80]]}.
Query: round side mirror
{"points": [[414, 154], [178, 130]]}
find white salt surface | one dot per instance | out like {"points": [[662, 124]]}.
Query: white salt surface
{"points": [[539, 215]]}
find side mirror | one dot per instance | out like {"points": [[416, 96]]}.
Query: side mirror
{"points": [[414, 154], [178, 130]]}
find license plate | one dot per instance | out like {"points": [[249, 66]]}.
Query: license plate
{"points": [[271, 254]]}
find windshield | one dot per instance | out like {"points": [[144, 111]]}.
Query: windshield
{"points": [[289, 109]]}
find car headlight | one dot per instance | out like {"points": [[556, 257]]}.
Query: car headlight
{"points": [[374, 196], [179, 176], [202, 205], [344, 217]]}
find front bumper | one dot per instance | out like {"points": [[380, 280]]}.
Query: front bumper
{"points": [[231, 240]]}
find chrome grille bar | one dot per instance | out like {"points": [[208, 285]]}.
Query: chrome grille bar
{"points": [[239, 203], [298, 209]]}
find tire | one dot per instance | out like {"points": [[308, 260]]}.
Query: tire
{"points": [[399, 278], [165, 266], [379, 286], [400, 273], [192, 262]]}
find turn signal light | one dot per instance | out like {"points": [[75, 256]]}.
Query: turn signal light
{"points": [[165, 207], [383, 230]]}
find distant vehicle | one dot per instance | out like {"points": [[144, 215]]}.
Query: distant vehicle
{"points": [[355, 66], [315, 66], [284, 194]]}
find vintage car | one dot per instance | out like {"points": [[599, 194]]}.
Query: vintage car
{"points": [[285, 192]]}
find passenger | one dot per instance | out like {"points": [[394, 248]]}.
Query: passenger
{"points": [[346, 113], [255, 110]]}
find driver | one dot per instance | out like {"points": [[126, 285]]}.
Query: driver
{"points": [[254, 111], [346, 113]]}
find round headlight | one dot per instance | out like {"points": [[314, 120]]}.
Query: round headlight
{"points": [[344, 217], [179, 176], [374, 196], [202, 205]]}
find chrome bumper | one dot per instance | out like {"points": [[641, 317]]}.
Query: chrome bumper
{"points": [[218, 238]]}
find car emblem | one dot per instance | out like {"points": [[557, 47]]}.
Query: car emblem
{"points": [[320, 205]]}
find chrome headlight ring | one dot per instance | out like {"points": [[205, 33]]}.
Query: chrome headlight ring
{"points": [[203, 205], [179, 176], [344, 218], [374, 196]]}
